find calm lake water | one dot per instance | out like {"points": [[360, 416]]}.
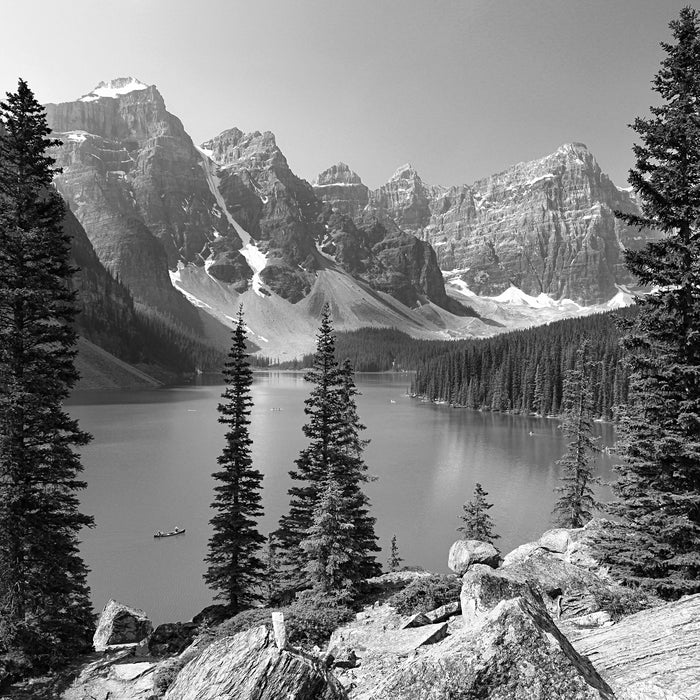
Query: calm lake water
{"points": [[149, 467]]}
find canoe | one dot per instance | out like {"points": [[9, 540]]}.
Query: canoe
{"points": [[169, 534]]}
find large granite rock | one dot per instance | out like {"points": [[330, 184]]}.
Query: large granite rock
{"points": [[249, 665], [516, 654], [466, 553], [544, 226], [483, 588], [120, 624], [653, 654]]}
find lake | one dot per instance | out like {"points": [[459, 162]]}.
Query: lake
{"points": [[149, 468]]}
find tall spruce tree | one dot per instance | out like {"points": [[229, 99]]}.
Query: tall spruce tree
{"points": [[658, 490], [331, 465], [576, 501], [477, 521], [45, 611], [235, 570]]}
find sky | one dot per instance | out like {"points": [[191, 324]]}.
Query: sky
{"points": [[460, 89]]}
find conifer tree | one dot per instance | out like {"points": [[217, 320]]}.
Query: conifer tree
{"points": [[334, 452], [330, 545], [235, 568], [477, 521], [352, 474], [658, 490], [45, 611], [576, 501], [395, 558]]}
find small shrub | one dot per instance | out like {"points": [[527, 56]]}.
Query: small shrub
{"points": [[426, 593], [622, 601], [311, 622], [166, 674], [243, 621]]}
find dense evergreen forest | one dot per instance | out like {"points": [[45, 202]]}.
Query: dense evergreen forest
{"points": [[521, 371]]}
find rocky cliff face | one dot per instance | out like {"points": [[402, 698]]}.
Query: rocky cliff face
{"points": [[135, 182], [342, 190], [543, 226], [371, 245], [277, 208]]}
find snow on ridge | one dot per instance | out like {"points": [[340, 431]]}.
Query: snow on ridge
{"points": [[546, 176], [461, 286], [514, 295], [113, 88], [255, 258]]}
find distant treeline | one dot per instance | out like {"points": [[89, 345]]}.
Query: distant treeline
{"points": [[521, 371]]}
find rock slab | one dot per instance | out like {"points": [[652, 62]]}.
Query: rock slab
{"points": [[120, 624], [517, 654], [654, 653], [249, 665]]}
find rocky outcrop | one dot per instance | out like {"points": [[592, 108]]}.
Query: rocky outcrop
{"points": [[649, 655], [112, 676], [483, 588], [120, 624], [249, 665], [516, 653], [387, 258], [135, 182], [465, 553]]}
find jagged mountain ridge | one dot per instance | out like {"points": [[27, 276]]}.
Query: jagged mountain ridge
{"points": [[545, 226], [229, 222], [161, 213]]}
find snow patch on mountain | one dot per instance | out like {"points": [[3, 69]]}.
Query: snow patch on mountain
{"points": [[113, 88], [255, 258]]}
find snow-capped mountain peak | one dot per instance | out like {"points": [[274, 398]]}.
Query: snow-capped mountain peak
{"points": [[114, 88]]}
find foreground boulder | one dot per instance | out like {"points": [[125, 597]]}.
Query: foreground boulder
{"points": [[249, 665], [517, 653], [465, 553], [483, 588], [648, 655], [120, 624], [571, 587]]}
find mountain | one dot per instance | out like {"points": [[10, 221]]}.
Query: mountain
{"points": [[133, 178], [192, 232], [545, 226]]}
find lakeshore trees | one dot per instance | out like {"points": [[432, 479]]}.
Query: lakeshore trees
{"points": [[235, 567], [658, 491], [45, 611]]}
